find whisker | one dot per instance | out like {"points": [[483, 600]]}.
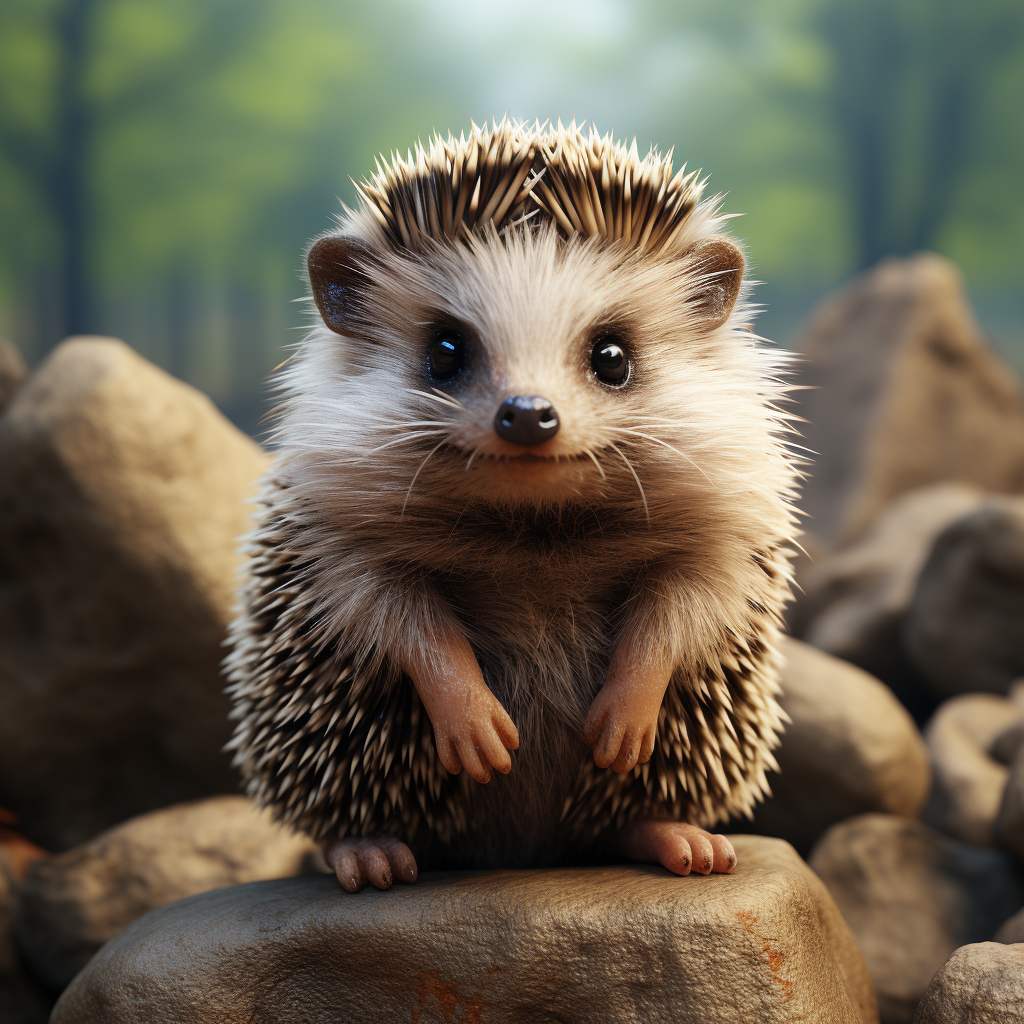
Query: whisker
{"points": [[418, 423], [665, 444], [416, 475], [682, 455], [472, 455], [449, 398], [441, 398], [407, 437], [593, 458], [629, 466]]}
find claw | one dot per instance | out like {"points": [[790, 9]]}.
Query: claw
{"points": [[676, 846], [378, 860]]}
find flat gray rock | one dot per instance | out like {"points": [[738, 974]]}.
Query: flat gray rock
{"points": [[980, 984], [615, 944]]}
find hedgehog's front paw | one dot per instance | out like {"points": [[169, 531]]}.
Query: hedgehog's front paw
{"points": [[471, 728], [622, 724], [621, 729], [474, 733], [374, 859], [675, 845]]}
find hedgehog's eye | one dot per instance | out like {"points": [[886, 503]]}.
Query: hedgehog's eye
{"points": [[609, 361], [447, 356]]}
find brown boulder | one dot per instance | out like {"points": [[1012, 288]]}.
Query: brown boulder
{"points": [[121, 502], [850, 748], [968, 781], [13, 371], [855, 600], [905, 392], [71, 904], [964, 631], [591, 945], [980, 984], [911, 896]]}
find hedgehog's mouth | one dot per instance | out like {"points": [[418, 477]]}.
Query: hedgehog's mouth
{"points": [[530, 458], [524, 476], [524, 467], [528, 471]]}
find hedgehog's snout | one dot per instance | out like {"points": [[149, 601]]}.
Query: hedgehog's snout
{"points": [[526, 420]]}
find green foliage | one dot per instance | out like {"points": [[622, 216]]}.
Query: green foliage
{"points": [[217, 134], [888, 125], [201, 114], [913, 96]]}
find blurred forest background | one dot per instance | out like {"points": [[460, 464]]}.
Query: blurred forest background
{"points": [[163, 162]]}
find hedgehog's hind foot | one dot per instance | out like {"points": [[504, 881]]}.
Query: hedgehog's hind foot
{"points": [[375, 859], [676, 846]]}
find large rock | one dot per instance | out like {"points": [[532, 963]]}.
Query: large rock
{"points": [[71, 904], [13, 371], [854, 601], [911, 896], [965, 627], [122, 498], [850, 748], [969, 781], [905, 392], [980, 984], [613, 944]]}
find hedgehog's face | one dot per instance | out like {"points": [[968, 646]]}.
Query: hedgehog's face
{"points": [[522, 368]]}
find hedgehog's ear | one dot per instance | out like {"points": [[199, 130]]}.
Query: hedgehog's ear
{"points": [[715, 268], [338, 276]]}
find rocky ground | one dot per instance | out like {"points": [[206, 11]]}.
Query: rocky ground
{"points": [[898, 894]]}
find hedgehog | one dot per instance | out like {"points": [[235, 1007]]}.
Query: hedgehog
{"points": [[514, 591]]}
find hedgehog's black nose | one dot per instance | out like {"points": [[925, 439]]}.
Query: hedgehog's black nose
{"points": [[526, 420]]}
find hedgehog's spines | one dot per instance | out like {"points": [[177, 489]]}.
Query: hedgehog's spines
{"points": [[588, 185], [338, 756]]}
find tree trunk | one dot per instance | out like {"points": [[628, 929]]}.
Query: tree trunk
{"points": [[70, 173], [944, 158], [867, 149], [871, 52]]}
